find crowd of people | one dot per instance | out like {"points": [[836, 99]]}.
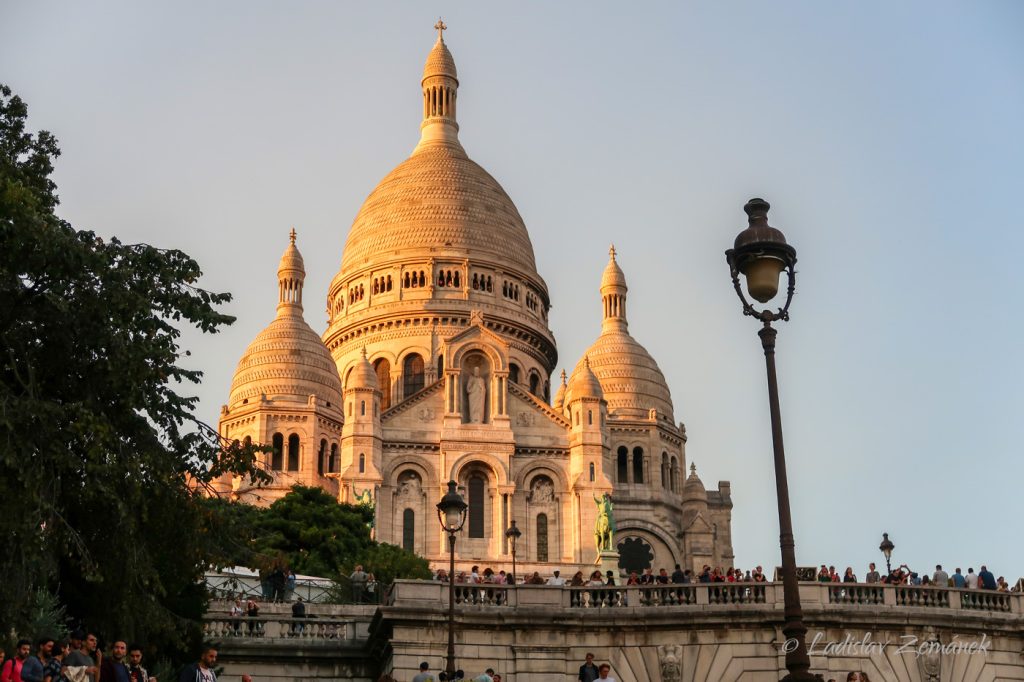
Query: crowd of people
{"points": [[76, 659], [80, 658], [901, 575]]}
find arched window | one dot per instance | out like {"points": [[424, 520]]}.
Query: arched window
{"points": [[665, 471], [638, 465], [623, 462], [590, 417], [332, 462], [674, 478], [476, 506], [362, 408], [409, 530], [277, 456], [412, 374], [513, 373], [593, 472], [440, 366], [321, 455], [293, 452], [383, 369], [362, 463], [535, 384], [542, 537]]}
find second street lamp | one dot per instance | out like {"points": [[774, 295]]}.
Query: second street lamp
{"points": [[760, 254], [513, 534], [451, 512], [886, 548]]}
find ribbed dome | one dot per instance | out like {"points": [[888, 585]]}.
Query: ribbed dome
{"points": [[363, 375], [584, 384], [632, 381], [693, 488], [440, 62], [286, 361], [439, 199]]}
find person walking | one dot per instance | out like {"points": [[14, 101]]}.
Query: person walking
{"points": [[588, 671], [202, 670]]}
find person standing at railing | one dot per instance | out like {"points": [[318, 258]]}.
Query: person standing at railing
{"points": [[849, 577], [872, 576], [358, 580], [940, 578], [958, 580], [972, 579], [986, 579], [252, 611], [298, 612]]}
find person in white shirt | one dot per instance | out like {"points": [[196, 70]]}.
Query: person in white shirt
{"points": [[556, 580], [604, 672], [972, 579]]}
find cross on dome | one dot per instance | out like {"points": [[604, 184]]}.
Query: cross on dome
{"points": [[441, 28], [611, 251], [292, 235]]}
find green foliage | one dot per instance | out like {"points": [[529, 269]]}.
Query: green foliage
{"points": [[313, 531], [99, 453], [390, 562], [310, 532]]}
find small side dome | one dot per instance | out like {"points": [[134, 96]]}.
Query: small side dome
{"points": [[560, 394], [585, 383], [693, 488], [362, 375]]}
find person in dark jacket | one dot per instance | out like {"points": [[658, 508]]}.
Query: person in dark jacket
{"points": [[203, 670]]}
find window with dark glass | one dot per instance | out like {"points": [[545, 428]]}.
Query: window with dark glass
{"points": [[542, 537], [409, 530], [412, 374], [277, 456], [623, 462], [293, 452], [476, 507]]}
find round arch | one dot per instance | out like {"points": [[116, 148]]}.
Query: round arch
{"points": [[475, 458], [498, 359], [529, 473], [654, 535]]}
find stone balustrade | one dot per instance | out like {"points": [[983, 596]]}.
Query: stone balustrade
{"points": [[260, 629], [468, 597]]}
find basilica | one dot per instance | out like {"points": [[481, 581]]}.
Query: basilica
{"points": [[437, 364]]}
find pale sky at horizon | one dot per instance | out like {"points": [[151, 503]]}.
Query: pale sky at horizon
{"points": [[888, 138]]}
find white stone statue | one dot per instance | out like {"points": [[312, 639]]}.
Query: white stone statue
{"points": [[476, 393]]}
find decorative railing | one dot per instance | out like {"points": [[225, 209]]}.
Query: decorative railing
{"points": [[224, 627], [812, 595]]}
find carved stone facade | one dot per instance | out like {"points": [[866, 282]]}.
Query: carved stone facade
{"points": [[442, 362]]}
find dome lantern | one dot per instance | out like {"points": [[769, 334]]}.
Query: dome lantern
{"points": [[291, 274], [440, 85], [613, 294]]}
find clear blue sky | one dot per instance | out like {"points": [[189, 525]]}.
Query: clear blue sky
{"points": [[888, 137]]}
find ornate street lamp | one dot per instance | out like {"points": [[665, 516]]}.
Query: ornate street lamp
{"points": [[760, 254], [451, 512], [886, 548], [513, 534]]}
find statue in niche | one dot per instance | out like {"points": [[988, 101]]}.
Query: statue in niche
{"points": [[542, 490], [476, 394], [409, 485]]}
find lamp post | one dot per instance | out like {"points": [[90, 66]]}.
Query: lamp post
{"points": [[513, 534], [886, 548], [760, 253], [451, 512]]}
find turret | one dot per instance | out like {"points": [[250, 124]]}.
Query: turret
{"points": [[361, 436]]}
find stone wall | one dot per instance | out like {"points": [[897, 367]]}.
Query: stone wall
{"points": [[693, 633]]}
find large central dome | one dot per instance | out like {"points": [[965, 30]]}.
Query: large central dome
{"points": [[440, 199]]}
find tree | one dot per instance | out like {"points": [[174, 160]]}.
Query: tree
{"points": [[100, 456]]}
